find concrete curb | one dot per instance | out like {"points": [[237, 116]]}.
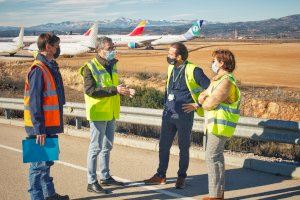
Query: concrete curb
{"points": [[248, 163], [12, 122]]}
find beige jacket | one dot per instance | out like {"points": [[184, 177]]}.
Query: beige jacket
{"points": [[225, 93]]}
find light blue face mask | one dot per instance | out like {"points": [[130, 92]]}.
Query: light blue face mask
{"points": [[214, 67], [110, 55]]}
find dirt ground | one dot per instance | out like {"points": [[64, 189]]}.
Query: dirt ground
{"points": [[268, 64], [257, 64]]}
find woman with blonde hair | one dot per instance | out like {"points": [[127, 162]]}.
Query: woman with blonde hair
{"points": [[221, 101]]}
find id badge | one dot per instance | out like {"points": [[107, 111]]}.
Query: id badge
{"points": [[171, 97]]}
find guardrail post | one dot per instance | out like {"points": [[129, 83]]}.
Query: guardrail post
{"points": [[78, 122], [204, 140], [7, 114]]}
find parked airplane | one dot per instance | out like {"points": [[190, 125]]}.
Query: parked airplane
{"points": [[13, 47], [63, 38], [148, 42], [75, 48], [78, 38], [132, 41], [86, 45], [134, 36]]}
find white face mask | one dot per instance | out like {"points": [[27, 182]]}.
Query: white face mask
{"points": [[214, 67], [110, 55]]}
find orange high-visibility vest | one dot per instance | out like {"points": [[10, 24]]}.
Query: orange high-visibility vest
{"points": [[50, 98]]}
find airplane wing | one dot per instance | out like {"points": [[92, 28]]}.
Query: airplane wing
{"points": [[143, 42], [147, 42]]}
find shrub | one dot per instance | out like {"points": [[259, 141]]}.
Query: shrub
{"points": [[145, 98], [146, 75]]}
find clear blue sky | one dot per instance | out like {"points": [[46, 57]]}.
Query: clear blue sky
{"points": [[29, 13]]}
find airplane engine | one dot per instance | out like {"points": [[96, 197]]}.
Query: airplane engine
{"points": [[133, 45]]}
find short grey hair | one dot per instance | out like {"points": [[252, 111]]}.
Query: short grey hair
{"points": [[101, 41]]}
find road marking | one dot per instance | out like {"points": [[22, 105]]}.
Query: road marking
{"points": [[139, 184], [10, 148]]}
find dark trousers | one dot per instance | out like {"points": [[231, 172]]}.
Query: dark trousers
{"points": [[171, 124]]}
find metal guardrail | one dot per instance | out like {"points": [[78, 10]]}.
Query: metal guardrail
{"points": [[252, 128]]}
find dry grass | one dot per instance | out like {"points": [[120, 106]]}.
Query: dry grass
{"points": [[265, 64]]}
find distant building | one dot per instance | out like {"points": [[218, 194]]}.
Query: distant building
{"points": [[235, 34]]}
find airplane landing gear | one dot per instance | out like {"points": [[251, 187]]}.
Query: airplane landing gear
{"points": [[149, 48]]}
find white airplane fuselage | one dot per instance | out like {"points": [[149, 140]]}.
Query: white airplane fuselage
{"points": [[13, 47], [9, 47], [84, 43], [63, 38], [123, 40], [73, 49], [168, 39], [70, 49]]}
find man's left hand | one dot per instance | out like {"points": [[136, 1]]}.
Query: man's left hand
{"points": [[189, 107]]}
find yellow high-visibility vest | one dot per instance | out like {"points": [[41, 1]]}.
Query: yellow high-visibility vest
{"points": [[194, 88], [223, 119], [105, 108]]}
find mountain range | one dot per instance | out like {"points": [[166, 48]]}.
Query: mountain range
{"points": [[284, 27]]}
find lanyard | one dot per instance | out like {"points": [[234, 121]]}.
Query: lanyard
{"points": [[179, 75], [175, 79]]}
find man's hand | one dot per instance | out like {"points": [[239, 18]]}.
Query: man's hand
{"points": [[40, 139], [132, 92], [202, 97], [123, 90], [189, 107]]}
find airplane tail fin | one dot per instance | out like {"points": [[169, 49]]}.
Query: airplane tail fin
{"points": [[92, 37], [139, 29], [195, 30], [93, 30], [87, 33], [20, 38]]}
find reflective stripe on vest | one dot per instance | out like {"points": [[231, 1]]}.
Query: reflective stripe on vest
{"points": [[50, 98], [232, 110], [221, 121], [45, 108], [224, 118], [192, 85], [45, 93], [105, 108]]}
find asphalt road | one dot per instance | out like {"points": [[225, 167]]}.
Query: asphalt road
{"points": [[132, 166]]}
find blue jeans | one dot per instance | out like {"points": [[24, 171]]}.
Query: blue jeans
{"points": [[101, 142], [40, 183], [182, 124]]}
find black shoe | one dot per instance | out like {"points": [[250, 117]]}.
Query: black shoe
{"points": [[96, 187], [111, 181], [180, 183], [58, 197]]}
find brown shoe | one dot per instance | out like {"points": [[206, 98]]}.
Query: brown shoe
{"points": [[212, 198], [180, 183], [155, 180]]}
